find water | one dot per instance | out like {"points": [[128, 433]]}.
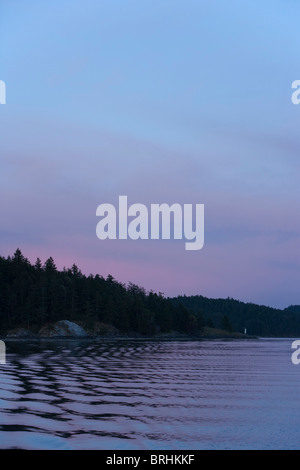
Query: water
{"points": [[150, 395]]}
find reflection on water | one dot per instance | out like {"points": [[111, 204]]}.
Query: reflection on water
{"points": [[149, 395]]}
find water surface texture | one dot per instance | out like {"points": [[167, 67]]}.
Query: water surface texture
{"points": [[150, 395]]}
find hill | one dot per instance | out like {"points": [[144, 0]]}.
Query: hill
{"points": [[258, 320], [293, 308]]}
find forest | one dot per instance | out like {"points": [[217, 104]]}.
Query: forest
{"points": [[33, 295]]}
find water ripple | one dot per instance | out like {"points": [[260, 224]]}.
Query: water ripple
{"points": [[149, 395]]}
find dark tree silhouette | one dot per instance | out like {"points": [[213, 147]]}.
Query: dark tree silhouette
{"points": [[32, 295]]}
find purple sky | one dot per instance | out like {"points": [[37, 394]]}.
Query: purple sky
{"points": [[162, 102]]}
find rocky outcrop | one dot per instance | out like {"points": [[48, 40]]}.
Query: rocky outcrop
{"points": [[99, 329], [20, 333], [62, 329]]}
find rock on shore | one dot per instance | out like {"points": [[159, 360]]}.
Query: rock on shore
{"points": [[20, 333], [62, 328]]}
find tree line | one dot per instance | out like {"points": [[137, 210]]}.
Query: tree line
{"points": [[258, 320], [32, 295]]}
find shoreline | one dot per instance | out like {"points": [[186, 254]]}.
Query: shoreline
{"points": [[127, 338], [65, 330]]}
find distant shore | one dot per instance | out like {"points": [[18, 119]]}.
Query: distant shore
{"points": [[206, 334]]}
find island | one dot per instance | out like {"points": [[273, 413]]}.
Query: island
{"points": [[39, 301]]}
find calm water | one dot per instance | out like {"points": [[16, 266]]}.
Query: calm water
{"points": [[150, 395]]}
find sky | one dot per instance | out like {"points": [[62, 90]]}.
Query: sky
{"points": [[165, 101]]}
